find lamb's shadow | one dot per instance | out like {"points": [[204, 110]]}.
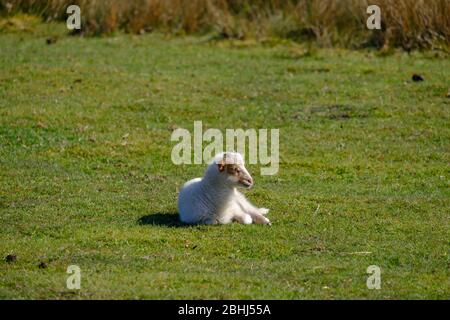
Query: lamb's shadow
{"points": [[167, 219]]}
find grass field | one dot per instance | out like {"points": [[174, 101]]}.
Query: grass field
{"points": [[86, 176]]}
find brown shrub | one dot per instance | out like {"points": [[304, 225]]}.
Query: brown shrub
{"points": [[410, 24]]}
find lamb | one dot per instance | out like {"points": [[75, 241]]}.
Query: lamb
{"points": [[214, 199]]}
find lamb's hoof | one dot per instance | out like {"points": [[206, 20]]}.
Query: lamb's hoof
{"points": [[264, 211]]}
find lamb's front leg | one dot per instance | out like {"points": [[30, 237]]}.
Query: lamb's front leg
{"points": [[235, 213], [243, 218], [256, 214], [258, 218]]}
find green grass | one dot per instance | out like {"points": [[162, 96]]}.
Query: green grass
{"points": [[357, 137]]}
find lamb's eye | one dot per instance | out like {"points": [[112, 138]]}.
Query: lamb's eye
{"points": [[238, 170]]}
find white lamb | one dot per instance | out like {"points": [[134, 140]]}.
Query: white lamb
{"points": [[214, 199]]}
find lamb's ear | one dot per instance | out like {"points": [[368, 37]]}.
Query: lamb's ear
{"points": [[222, 163]]}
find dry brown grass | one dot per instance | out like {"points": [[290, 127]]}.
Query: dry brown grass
{"points": [[410, 24]]}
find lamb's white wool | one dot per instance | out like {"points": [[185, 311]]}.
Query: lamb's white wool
{"points": [[214, 199]]}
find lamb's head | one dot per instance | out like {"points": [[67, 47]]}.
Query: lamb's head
{"points": [[229, 167]]}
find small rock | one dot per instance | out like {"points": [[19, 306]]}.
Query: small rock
{"points": [[11, 258], [51, 40], [417, 77]]}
